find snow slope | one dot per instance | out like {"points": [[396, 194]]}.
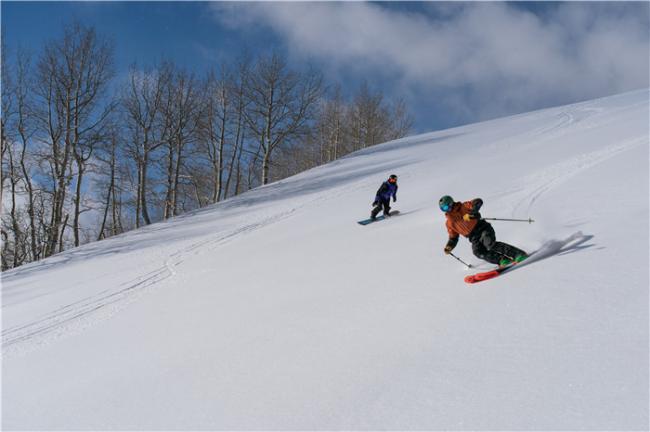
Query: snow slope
{"points": [[275, 310]]}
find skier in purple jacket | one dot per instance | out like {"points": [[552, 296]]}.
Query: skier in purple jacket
{"points": [[387, 190]]}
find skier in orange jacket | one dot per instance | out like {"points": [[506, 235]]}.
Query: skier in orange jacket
{"points": [[464, 219]]}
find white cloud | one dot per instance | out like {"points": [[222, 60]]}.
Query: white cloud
{"points": [[503, 57]]}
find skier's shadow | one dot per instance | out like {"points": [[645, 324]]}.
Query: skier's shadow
{"points": [[403, 213], [576, 242]]}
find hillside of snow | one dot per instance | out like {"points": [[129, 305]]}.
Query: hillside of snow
{"points": [[276, 310]]}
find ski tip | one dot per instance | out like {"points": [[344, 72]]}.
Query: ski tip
{"points": [[478, 277]]}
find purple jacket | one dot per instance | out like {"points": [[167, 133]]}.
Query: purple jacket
{"points": [[386, 190]]}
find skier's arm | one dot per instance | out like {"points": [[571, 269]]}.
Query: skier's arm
{"points": [[451, 244], [381, 190], [476, 206], [395, 194], [453, 238]]}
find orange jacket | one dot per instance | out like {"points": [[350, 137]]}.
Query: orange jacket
{"points": [[455, 223]]}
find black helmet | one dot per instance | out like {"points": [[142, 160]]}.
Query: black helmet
{"points": [[446, 203], [392, 177]]}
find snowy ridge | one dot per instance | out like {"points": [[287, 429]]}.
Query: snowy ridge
{"points": [[276, 310]]}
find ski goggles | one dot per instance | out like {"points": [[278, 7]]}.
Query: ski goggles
{"points": [[445, 207]]}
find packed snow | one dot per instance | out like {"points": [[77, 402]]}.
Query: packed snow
{"points": [[276, 310]]}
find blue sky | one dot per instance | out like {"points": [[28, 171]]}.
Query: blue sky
{"points": [[142, 31], [453, 63]]}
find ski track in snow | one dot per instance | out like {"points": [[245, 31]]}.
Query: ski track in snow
{"points": [[569, 118], [73, 318], [78, 316], [585, 114], [549, 178]]}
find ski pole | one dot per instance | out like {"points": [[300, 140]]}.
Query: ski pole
{"points": [[529, 220], [468, 265]]}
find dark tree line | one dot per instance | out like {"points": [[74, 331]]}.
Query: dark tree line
{"points": [[86, 157]]}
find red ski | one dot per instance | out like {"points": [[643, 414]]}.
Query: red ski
{"points": [[479, 277]]}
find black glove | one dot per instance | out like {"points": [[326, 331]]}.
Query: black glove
{"points": [[451, 244], [374, 204], [394, 199]]}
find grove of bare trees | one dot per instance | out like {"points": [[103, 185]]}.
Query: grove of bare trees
{"points": [[87, 155]]}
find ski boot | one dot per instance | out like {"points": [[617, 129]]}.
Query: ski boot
{"points": [[506, 261], [520, 258]]}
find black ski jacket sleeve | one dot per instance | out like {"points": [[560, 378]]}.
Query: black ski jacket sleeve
{"points": [[452, 242], [476, 206]]}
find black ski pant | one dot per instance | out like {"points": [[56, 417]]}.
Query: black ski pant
{"points": [[381, 204], [486, 247]]}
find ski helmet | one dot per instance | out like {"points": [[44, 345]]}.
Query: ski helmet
{"points": [[392, 177], [446, 203]]}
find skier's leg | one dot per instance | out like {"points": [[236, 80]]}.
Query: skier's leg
{"points": [[487, 237], [375, 211], [386, 205], [484, 244], [488, 255], [501, 252], [479, 251], [497, 248], [483, 241], [511, 251]]}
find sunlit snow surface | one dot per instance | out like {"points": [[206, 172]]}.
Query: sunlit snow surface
{"points": [[276, 310]]}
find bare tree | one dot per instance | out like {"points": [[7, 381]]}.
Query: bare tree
{"points": [[7, 113], [330, 127], [5, 166], [238, 93], [215, 124], [5, 252], [180, 117], [26, 130], [51, 121], [143, 101], [73, 73], [108, 156], [281, 103], [18, 250], [401, 120], [369, 119], [238, 168]]}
